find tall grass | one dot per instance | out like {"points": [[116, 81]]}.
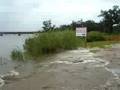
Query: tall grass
{"points": [[95, 36], [51, 42], [56, 41], [113, 37], [17, 55]]}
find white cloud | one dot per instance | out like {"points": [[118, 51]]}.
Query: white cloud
{"points": [[29, 14]]}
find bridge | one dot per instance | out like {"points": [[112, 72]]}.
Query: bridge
{"points": [[19, 33]]}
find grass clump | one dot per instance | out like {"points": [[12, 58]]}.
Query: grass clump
{"points": [[113, 37], [51, 42], [95, 36], [17, 55], [55, 41], [101, 44]]}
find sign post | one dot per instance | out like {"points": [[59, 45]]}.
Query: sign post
{"points": [[82, 32]]}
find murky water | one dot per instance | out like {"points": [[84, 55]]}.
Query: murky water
{"points": [[70, 70], [7, 44], [10, 42]]}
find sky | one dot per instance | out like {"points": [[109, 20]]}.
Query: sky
{"points": [[28, 15]]}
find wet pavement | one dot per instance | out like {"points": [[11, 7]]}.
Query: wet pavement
{"points": [[74, 70]]}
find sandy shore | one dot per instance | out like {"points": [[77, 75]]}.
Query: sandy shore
{"points": [[75, 70]]}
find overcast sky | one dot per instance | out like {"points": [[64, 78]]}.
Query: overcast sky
{"points": [[28, 15]]}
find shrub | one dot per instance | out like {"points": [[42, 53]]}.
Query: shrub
{"points": [[95, 36], [113, 37], [51, 42], [17, 55], [69, 40]]}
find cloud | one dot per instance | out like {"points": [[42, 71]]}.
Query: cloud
{"points": [[25, 15]]}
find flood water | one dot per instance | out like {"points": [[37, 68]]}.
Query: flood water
{"points": [[77, 69], [8, 43]]}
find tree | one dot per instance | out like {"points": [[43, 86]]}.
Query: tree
{"points": [[110, 17], [75, 24], [47, 26], [90, 24]]}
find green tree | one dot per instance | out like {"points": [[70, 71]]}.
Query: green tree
{"points": [[92, 25], [47, 26], [110, 17]]}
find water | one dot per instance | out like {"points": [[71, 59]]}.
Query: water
{"points": [[69, 65], [10, 42], [7, 44]]}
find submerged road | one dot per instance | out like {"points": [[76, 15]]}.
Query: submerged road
{"points": [[75, 70]]}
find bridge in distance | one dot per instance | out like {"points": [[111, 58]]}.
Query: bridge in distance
{"points": [[19, 33]]}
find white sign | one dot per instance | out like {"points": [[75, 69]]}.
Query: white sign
{"points": [[81, 31]]}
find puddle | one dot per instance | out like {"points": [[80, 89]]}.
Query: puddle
{"points": [[8, 76], [1, 82], [115, 72]]}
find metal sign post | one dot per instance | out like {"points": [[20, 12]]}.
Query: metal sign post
{"points": [[82, 32]]}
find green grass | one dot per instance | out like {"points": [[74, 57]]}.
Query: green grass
{"points": [[47, 43], [95, 36], [51, 42], [101, 44], [17, 55], [95, 46]]}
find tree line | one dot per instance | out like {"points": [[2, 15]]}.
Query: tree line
{"points": [[110, 23]]}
